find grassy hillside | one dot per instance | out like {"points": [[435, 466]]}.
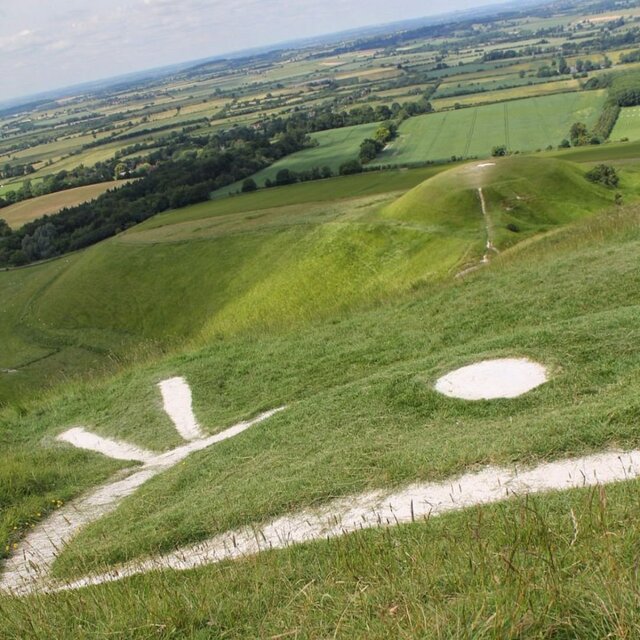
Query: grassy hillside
{"points": [[530, 194], [362, 414], [253, 263], [22, 212]]}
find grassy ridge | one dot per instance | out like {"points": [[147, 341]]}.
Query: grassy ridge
{"points": [[362, 412], [531, 193], [363, 415], [42, 352], [225, 267]]}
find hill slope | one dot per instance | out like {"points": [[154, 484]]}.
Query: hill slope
{"points": [[362, 414], [202, 272]]}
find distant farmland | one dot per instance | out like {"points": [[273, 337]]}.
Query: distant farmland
{"points": [[334, 147], [22, 212], [628, 125], [521, 125]]}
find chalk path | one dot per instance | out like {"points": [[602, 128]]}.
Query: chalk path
{"points": [[383, 509], [489, 244]]}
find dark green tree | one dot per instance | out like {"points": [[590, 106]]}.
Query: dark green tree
{"points": [[604, 174], [350, 167], [499, 151], [249, 185]]}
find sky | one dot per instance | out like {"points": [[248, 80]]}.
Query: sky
{"points": [[49, 44]]}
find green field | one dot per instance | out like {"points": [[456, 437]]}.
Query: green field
{"points": [[628, 124], [334, 147], [521, 125]]}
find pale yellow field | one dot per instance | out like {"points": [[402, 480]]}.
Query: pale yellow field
{"points": [[22, 212]]}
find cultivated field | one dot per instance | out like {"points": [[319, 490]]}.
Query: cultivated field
{"points": [[334, 147], [520, 125], [628, 125], [22, 212]]}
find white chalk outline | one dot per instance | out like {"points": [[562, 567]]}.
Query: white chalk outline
{"points": [[28, 570]]}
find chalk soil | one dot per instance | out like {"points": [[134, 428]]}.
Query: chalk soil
{"points": [[492, 379]]}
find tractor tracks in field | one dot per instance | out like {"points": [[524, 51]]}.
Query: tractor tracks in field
{"points": [[472, 129]]}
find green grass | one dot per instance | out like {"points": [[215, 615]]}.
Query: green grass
{"points": [[224, 267], [336, 188], [28, 358], [337, 298], [46, 340], [534, 194], [558, 566], [335, 146], [521, 125], [16, 185], [628, 124], [362, 415]]}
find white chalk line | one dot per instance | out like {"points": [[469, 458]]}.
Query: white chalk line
{"points": [[489, 245], [116, 449], [177, 403], [368, 510], [30, 564]]}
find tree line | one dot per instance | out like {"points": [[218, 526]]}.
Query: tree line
{"points": [[224, 159]]}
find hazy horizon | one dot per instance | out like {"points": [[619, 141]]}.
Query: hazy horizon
{"points": [[52, 47]]}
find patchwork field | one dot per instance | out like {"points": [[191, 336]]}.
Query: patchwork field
{"points": [[512, 93], [520, 125], [628, 124]]}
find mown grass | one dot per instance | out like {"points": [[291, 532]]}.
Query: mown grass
{"points": [[628, 125]]}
